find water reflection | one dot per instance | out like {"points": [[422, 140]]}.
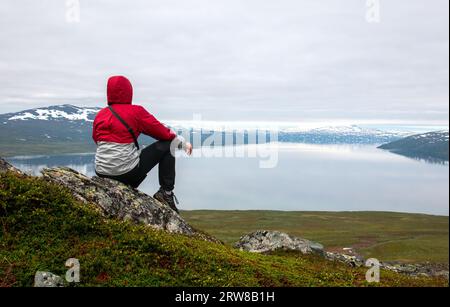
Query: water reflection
{"points": [[83, 163], [307, 177]]}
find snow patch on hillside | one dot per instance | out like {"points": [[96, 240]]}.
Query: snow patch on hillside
{"points": [[71, 113]]}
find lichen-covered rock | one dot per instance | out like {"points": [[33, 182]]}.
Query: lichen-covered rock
{"points": [[418, 269], [47, 280], [6, 167], [117, 200], [263, 241], [351, 260]]}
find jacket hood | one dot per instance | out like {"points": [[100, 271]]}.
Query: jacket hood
{"points": [[119, 90]]}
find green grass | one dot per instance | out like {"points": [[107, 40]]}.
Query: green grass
{"points": [[42, 226], [384, 235]]}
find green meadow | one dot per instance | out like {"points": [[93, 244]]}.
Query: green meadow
{"points": [[387, 236]]}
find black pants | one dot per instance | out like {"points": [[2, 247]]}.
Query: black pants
{"points": [[156, 153]]}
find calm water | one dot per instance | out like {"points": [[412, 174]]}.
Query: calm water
{"points": [[307, 177]]}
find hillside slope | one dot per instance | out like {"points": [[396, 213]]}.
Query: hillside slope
{"points": [[431, 145], [43, 226]]}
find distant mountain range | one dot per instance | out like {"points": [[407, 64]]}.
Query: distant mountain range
{"points": [[55, 129], [428, 146], [68, 129], [49, 130], [341, 135], [64, 123]]}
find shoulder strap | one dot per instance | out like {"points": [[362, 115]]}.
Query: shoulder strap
{"points": [[130, 130]]}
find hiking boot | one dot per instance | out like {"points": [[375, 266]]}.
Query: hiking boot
{"points": [[167, 199]]}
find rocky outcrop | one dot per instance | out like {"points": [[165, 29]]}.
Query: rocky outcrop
{"points": [[418, 269], [6, 167], [351, 260], [116, 200], [264, 241], [47, 280]]}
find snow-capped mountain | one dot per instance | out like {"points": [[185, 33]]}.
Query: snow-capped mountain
{"points": [[431, 145], [356, 130], [62, 112], [431, 137], [54, 129], [341, 135]]}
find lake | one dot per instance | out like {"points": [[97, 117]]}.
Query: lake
{"points": [[305, 178]]}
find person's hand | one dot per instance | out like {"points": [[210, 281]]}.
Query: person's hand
{"points": [[188, 148]]}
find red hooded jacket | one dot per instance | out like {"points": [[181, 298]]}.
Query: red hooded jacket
{"points": [[108, 128], [116, 153]]}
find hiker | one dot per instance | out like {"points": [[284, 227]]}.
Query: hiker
{"points": [[116, 130]]}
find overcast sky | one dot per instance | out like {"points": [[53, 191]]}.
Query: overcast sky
{"points": [[295, 60]]}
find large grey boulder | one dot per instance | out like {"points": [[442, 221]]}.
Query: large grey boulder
{"points": [[116, 200], [263, 241], [351, 260], [47, 280]]}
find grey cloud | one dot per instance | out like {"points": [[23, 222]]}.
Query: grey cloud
{"points": [[232, 60]]}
